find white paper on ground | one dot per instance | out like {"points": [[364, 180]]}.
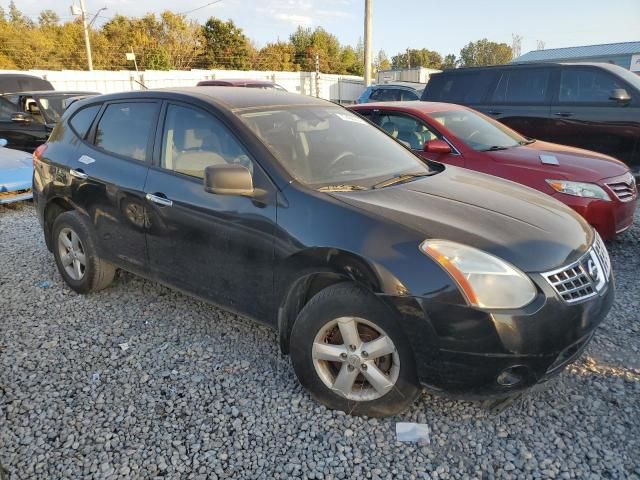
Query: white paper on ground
{"points": [[412, 432]]}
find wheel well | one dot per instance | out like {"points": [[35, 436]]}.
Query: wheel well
{"points": [[53, 209], [303, 290]]}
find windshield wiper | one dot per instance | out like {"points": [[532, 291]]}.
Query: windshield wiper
{"points": [[402, 178], [341, 188], [494, 148], [528, 141]]}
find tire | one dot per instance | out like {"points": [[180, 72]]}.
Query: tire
{"points": [[317, 335], [95, 273]]}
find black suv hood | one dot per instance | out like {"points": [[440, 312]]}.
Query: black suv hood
{"points": [[523, 226]]}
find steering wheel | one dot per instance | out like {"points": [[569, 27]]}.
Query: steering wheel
{"points": [[341, 157]]}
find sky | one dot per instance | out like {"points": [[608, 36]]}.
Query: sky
{"points": [[443, 26]]}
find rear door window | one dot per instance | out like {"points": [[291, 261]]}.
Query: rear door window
{"points": [[463, 88], [522, 86], [385, 95], [83, 118], [408, 95], [587, 85], [125, 129]]}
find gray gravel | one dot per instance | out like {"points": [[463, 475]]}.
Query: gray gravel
{"points": [[201, 393]]}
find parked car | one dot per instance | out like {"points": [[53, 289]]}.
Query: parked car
{"points": [[19, 82], [599, 187], [595, 106], [27, 118], [16, 170], [242, 82], [379, 271], [392, 92]]}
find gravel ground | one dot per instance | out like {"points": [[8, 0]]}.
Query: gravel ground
{"points": [[201, 393]]}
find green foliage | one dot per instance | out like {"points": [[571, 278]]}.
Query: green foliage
{"points": [[225, 46], [450, 61], [279, 56], [417, 58], [484, 52]]}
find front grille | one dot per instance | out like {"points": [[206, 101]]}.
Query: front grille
{"points": [[585, 278], [625, 189]]}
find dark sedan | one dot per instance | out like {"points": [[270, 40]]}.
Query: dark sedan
{"points": [[380, 272]]}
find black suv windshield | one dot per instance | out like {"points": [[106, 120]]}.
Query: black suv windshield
{"points": [[53, 106], [321, 146], [478, 132]]}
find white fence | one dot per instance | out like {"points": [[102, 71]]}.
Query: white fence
{"points": [[337, 88]]}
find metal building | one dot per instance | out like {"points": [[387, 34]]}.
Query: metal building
{"points": [[625, 54]]}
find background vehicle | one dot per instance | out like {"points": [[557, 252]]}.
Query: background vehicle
{"points": [[392, 92], [598, 187], [595, 106], [242, 82], [16, 170], [18, 82], [27, 118], [380, 271]]}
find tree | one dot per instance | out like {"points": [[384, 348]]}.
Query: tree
{"points": [[381, 62], [279, 56], [226, 46], [417, 58], [484, 52], [48, 18], [308, 44], [450, 61], [16, 17]]}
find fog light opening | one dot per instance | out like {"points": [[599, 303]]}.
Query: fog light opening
{"points": [[512, 376]]}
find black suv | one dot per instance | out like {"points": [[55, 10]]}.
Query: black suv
{"points": [[380, 272], [595, 106]]}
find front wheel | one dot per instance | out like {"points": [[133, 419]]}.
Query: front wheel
{"points": [[349, 352]]}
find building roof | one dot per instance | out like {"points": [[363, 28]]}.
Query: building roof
{"points": [[588, 51]]}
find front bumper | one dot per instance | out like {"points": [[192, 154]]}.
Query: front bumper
{"points": [[608, 218], [465, 352]]}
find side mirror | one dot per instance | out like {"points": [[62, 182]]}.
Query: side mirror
{"points": [[3, 142], [20, 117], [620, 95], [228, 180], [437, 146]]}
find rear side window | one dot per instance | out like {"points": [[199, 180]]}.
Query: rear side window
{"points": [[463, 88], [407, 95], [83, 118], [125, 129], [522, 86], [385, 95], [6, 110], [586, 85]]}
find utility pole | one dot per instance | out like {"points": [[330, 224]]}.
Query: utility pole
{"points": [[317, 75], [368, 57], [85, 28]]}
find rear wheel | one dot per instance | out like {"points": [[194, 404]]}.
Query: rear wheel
{"points": [[75, 255], [349, 352]]}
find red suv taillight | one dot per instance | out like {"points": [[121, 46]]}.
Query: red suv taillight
{"points": [[38, 152]]}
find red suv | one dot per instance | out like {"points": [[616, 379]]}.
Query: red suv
{"points": [[599, 187]]}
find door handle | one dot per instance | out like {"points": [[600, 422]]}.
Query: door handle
{"points": [[563, 114], [494, 112], [78, 174], [164, 201]]}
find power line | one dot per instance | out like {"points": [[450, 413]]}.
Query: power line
{"points": [[199, 8]]}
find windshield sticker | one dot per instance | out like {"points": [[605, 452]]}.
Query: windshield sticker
{"points": [[351, 118], [86, 159]]}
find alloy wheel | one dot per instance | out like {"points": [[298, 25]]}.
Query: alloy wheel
{"points": [[355, 358], [72, 254]]}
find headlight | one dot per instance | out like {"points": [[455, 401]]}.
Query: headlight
{"points": [[486, 281], [579, 189]]}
